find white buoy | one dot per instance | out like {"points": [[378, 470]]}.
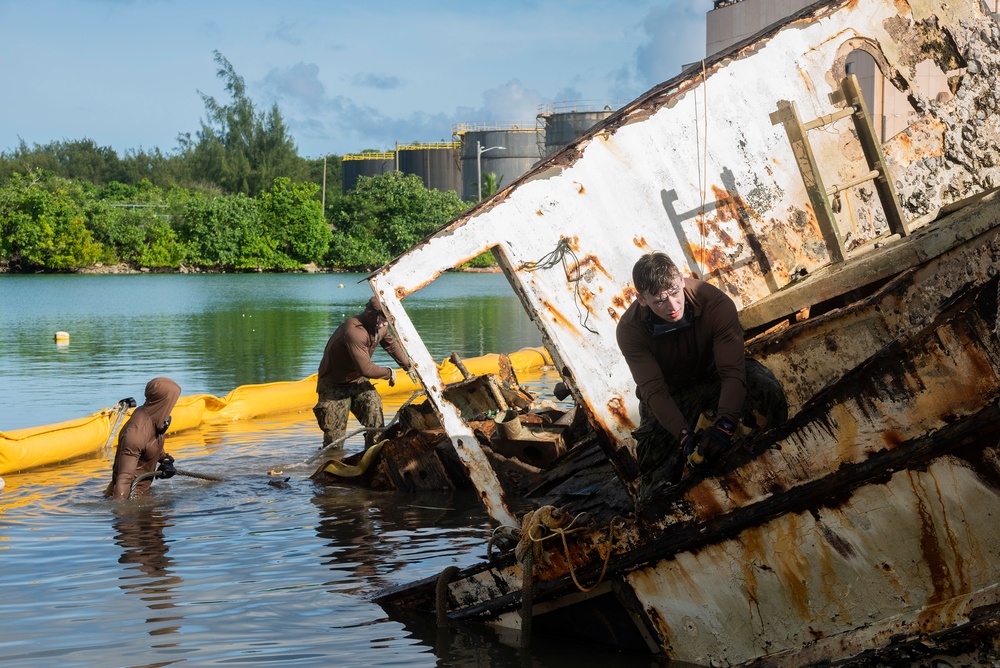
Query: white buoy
{"points": [[341, 285], [61, 337]]}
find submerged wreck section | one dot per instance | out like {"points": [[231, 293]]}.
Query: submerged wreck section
{"points": [[866, 272]]}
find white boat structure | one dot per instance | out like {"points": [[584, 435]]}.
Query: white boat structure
{"points": [[866, 273]]}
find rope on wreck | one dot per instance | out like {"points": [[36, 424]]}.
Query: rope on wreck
{"points": [[189, 474], [562, 533], [556, 256], [441, 595]]}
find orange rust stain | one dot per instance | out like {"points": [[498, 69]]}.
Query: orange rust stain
{"points": [[640, 242], [557, 317], [573, 243], [703, 498], [623, 300], [614, 314], [538, 212], [400, 292], [736, 490], [731, 206], [934, 558], [893, 438], [580, 190], [712, 260], [616, 406], [588, 261]]}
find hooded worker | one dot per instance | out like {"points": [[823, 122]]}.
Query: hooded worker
{"points": [[140, 442], [345, 372]]}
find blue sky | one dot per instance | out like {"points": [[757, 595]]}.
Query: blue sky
{"points": [[346, 76]]}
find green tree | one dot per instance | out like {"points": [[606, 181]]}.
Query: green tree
{"points": [[228, 232], [239, 149], [43, 224], [385, 215], [292, 216], [491, 184]]}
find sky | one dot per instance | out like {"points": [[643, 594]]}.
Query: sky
{"points": [[346, 75]]}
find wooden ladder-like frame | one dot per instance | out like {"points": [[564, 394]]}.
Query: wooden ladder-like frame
{"points": [[819, 196]]}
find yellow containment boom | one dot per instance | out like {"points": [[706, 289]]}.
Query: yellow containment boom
{"points": [[24, 449]]}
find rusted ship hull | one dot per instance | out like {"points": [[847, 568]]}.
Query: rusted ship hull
{"points": [[864, 523]]}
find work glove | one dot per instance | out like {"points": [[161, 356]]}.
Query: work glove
{"points": [[166, 469], [412, 373], [392, 378], [712, 442], [688, 443]]}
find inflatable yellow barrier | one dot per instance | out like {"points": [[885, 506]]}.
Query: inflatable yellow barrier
{"points": [[24, 449]]}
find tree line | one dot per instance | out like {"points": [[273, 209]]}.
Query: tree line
{"points": [[235, 196]]}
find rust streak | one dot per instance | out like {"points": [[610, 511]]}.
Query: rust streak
{"points": [[616, 407], [588, 261], [557, 317]]}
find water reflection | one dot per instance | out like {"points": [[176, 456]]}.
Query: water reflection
{"points": [[139, 531]]}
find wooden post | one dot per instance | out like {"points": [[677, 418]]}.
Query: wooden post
{"points": [[851, 92], [788, 116]]}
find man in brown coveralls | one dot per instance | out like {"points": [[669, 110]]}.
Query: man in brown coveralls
{"points": [[140, 441], [683, 343], [343, 382]]}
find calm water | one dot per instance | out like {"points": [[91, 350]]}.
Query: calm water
{"points": [[237, 572]]}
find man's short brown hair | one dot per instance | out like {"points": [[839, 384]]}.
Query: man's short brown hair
{"points": [[654, 272]]}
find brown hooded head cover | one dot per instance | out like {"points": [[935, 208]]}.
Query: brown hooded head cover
{"points": [[161, 397], [373, 305]]}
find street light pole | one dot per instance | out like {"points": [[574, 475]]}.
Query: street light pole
{"points": [[479, 165]]}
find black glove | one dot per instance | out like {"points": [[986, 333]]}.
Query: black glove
{"points": [[712, 442], [688, 443], [166, 469]]}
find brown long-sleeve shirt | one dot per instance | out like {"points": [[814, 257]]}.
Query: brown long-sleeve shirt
{"points": [[140, 445], [348, 354], [687, 355]]}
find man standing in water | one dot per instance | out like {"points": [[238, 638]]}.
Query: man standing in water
{"points": [[140, 442], [343, 383], [683, 343]]}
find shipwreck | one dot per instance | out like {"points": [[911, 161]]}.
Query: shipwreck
{"points": [[865, 269]]}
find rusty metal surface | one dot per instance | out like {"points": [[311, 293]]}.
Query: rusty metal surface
{"points": [[808, 587], [868, 517], [695, 168]]}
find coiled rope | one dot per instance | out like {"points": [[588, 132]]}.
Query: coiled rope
{"points": [[537, 526]]}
